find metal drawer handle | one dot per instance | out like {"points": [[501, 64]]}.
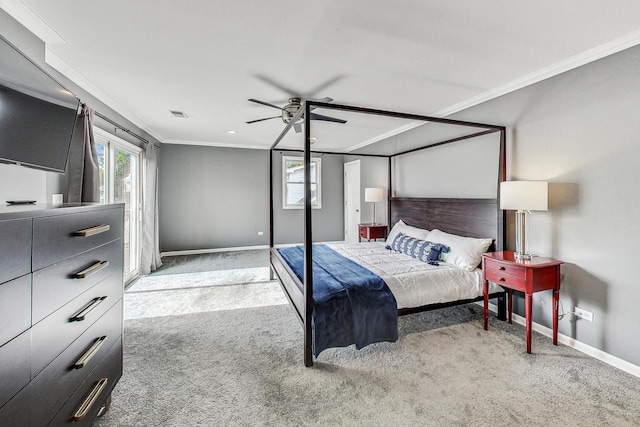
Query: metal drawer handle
{"points": [[86, 357], [92, 231], [502, 279], [91, 270], [502, 269], [92, 304], [90, 400]]}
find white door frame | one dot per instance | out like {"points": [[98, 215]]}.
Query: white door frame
{"points": [[348, 183], [114, 142]]}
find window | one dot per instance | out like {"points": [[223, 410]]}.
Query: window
{"points": [[120, 169], [293, 183]]}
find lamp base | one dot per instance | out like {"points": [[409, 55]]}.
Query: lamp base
{"points": [[522, 256]]}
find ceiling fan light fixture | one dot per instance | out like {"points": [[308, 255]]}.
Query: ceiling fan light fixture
{"points": [[290, 110]]}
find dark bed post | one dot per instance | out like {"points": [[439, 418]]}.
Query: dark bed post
{"points": [[271, 239], [390, 192], [502, 223], [308, 242]]}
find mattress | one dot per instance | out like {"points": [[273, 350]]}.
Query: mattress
{"points": [[415, 283]]}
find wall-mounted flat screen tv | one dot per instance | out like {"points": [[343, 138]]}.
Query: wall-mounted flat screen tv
{"points": [[37, 114]]}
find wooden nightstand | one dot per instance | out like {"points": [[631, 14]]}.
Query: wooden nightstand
{"points": [[528, 276], [372, 231]]}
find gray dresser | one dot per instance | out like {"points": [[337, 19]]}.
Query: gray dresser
{"points": [[61, 288]]}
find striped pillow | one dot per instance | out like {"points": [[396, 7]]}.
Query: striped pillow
{"points": [[419, 249]]}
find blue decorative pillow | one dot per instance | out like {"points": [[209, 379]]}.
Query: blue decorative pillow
{"points": [[420, 249]]}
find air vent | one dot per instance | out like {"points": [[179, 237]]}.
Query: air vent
{"points": [[178, 114]]}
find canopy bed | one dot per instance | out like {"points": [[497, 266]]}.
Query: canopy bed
{"points": [[358, 291]]}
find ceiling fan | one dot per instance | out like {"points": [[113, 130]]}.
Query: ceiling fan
{"points": [[290, 110]]}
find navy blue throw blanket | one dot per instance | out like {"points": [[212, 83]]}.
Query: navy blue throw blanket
{"points": [[351, 304]]}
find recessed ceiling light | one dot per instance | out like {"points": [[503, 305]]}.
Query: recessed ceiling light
{"points": [[178, 114], [231, 132]]}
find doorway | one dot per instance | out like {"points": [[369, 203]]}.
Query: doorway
{"points": [[119, 164], [351, 200]]}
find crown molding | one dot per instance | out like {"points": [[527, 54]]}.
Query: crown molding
{"points": [[32, 21], [606, 49], [575, 61], [215, 144], [78, 78]]}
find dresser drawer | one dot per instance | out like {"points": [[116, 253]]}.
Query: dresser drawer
{"points": [[15, 366], [53, 386], [54, 333], [15, 307], [57, 284], [60, 237], [364, 232], [100, 382], [15, 248], [17, 412]]}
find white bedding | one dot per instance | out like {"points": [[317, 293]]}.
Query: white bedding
{"points": [[415, 283]]}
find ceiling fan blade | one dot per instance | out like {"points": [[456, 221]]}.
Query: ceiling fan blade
{"points": [[266, 118], [321, 87], [314, 116], [297, 127], [271, 82], [264, 103]]}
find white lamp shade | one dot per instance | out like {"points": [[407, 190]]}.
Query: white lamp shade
{"points": [[373, 195], [524, 195]]}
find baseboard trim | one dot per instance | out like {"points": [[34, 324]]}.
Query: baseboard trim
{"points": [[607, 358], [211, 251]]}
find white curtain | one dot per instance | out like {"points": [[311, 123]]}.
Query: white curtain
{"points": [[150, 260], [83, 179]]}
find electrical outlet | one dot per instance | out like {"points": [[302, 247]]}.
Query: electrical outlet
{"points": [[583, 314], [260, 233]]}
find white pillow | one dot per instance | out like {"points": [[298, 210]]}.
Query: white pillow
{"points": [[401, 227], [465, 252]]}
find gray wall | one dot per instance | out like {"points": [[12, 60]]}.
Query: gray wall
{"points": [[213, 197], [17, 182], [580, 131], [373, 173], [467, 169], [219, 198], [328, 222]]}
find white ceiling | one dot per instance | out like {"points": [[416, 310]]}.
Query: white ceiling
{"points": [[206, 58]]}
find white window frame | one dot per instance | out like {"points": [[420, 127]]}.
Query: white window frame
{"points": [[114, 142], [318, 182]]}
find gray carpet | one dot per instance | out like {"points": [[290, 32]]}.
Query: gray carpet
{"points": [[204, 291], [214, 261], [244, 368]]}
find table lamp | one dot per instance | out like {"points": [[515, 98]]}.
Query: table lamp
{"points": [[373, 196], [523, 197]]}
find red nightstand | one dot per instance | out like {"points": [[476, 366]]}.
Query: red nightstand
{"points": [[372, 231], [528, 276]]}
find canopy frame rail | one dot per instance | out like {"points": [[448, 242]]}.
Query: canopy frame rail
{"points": [[305, 110]]}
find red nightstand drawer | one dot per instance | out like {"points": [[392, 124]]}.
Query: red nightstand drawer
{"points": [[372, 231], [515, 271], [500, 278]]}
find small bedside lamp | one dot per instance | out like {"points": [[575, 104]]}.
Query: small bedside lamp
{"points": [[522, 197], [373, 196]]}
